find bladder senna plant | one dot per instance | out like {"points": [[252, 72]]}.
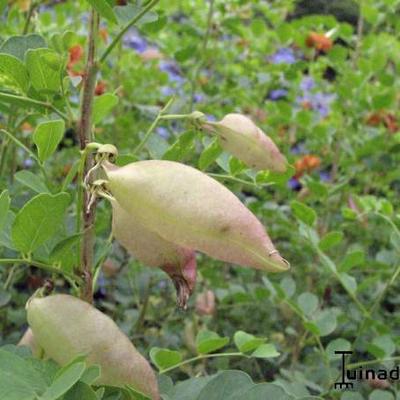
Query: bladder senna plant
{"points": [[191, 209], [154, 251], [65, 327], [239, 136]]}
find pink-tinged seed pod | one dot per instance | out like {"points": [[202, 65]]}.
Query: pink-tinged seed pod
{"points": [[65, 327], [187, 207], [239, 136], [28, 340], [205, 303], [152, 250]]}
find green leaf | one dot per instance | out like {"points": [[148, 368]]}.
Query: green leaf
{"points": [[32, 181], [4, 207], [326, 322], [104, 9], [17, 46], [330, 240], [207, 342], [209, 154], [337, 345], [351, 260], [246, 342], [303, 213], [64, 252], [126, 13], [267, 350], [308, 303], [262, 391], [47, 136], [181, 148], [66, 378], [165, 358], [44, 68], [91, 374], [18, 379], [13, 69], [81, 391], [5, 231], [225, 385], [102, 105], [38, 220]]}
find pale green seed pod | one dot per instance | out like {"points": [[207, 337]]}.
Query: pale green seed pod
{"points": [[239, 136], [65, 327], [187, 207], [152, 250]]}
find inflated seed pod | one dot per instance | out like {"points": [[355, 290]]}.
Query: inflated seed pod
{"points": [[187, 207], [65, 327], [152, 250], [28, 340], [239, 136]]}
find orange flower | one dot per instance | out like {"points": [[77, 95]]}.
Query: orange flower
{"points": [[100, 88], [388, 119], [75, 54], [103, 34], [26, 127], [319, 41], [306, 164]]}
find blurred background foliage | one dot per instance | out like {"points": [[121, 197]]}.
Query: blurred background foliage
{"points": [[320, 78]]}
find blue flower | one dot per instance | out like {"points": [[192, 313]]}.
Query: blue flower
{"points": [[277, 94], [284, 55], [298, 148], [325, 176], [294, 184], [172, 70], [307, 83], [162, 132], [198, 98], [135, 41], [167, 91]]}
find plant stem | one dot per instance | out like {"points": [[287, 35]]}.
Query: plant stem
{"points": [[26, 100], [372, 362], [140, 146], [203, 50], [85, 137], [32, 7], [238, 180], [135, 19], [202, 357], [38, 264]]}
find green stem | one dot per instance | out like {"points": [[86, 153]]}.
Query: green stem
{"points": [[202, 56], [38, 264], [238, 180], [140, 146], [135, 19], [12, 97], [372, 362], [20, 144], [202, 357]]}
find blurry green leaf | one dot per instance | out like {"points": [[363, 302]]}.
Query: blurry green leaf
{"points": [[44, 68], [165, 358], [4, 207], [186, 53], [351, 260], [267, 350], [18, 379], [47, 136], [38, 220], [337, 345], [225, 385], [262, 391], [330, 240], [246, 342], [104, 9], [235, 166], [127, 12], [183, 145], [207, 342], [66, 378], [209, 154], [379, 394], [81, 391], [5, 297], [32, 181], [326, 322], [308, 303], [349, 282], [18, 45], [12, 68], [303, 213], [102, 105], [258, 26], [5, 230]]}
